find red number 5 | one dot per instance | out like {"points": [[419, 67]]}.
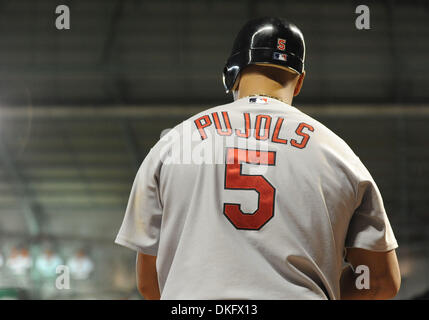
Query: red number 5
{"points": [[235, 180]]}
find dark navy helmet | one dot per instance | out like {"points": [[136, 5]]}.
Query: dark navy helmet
{"points": [[272, 41]]}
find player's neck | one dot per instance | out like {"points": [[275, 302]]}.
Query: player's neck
{"points": [[256, 84]]}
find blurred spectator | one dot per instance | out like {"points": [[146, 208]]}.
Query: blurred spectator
{"points": [[19, 261], [47, 263], [1, 261], [80, 265]]}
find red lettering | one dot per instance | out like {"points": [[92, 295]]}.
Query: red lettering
{"points": [[246, 125], [201, 126], [266, 134], [305, 136], [225, 116], [276, 132]]}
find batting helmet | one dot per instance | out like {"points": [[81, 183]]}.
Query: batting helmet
{"points": [[265, 41]]}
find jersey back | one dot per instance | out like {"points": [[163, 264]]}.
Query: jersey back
{"points": [[253, 200]]}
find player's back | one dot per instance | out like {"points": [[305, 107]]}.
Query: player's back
{"points": [[257, 197], [253, 200]]}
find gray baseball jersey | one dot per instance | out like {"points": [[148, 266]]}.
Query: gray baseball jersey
{"points": [[253, 200]]}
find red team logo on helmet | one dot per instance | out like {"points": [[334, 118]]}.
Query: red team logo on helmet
{"points": [[281, 44]]}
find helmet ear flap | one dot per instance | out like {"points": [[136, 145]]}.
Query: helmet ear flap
{"points": [[230, 74], [232, 70]]}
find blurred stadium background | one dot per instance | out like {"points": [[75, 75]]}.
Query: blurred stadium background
{"points": [[80, 108]]}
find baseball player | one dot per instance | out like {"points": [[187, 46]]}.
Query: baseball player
{"points": [[255, 199]]}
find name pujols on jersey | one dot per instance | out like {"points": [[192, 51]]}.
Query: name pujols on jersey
{"points": [[258, 126]]}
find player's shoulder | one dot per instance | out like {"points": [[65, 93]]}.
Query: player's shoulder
{"points": [[329, 141], [323, 132], [174, 135], [189, 123], [213, 109]]}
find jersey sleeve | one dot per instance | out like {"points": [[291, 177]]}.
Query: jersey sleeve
{"points": [[141, 226], [369, 227]]}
